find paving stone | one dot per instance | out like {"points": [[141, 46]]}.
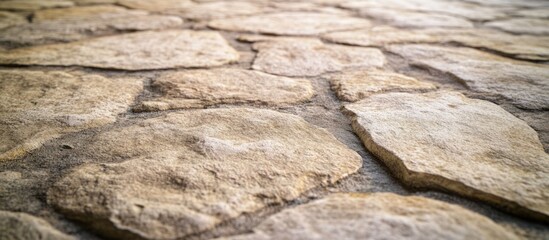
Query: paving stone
{"points": [[517, 46], [444, 140], [297, 6], [134, 51], [39, 106], [412, 19], [355, 85], [213, 10], [91, 2], [311, 57], [84, 12], [533, 26], [187, 172], [8, 19], [29, 5], [290, 23], [532, 13], [155, 6], [377, 216], [201, 88], [22, 226], [512, 3], [525, 84]]}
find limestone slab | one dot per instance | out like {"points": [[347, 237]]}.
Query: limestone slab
{"points": [[213, 10], [22, 226], [377, 216], [30, 5], [201, 88], [83, 12], [8, 19], [184, 173], [525, 84], [446, 141], [311, 57], [355, 85], [39, 106], [413, 19], [155, 6], [534, 26], [290, 23], [134, 51]]}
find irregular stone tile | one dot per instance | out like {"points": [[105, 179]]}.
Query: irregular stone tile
{"points": [[521, 47], [290, 23], [29, 5], [522, 25], [8, 19], [532, 13], [413, 19], [91, 2], [83, 12], [27, 227], [311, 57], [512, 3], [444, 140], [377, 216], [355, 85], [134, 51], [39, 106], [306, 7], [155, 6], [214, 10], [200, 88], [187, 172], [525, 84]]}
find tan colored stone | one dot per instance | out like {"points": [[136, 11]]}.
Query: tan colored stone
{"points": [[29, 5], [91, 2], [446, 141], [406, 19], [200, 88], [290, 23], [532, 13], [135, 51], [355, 85], [39, 106], [525, 84], [156, 5], [214, 10], [311, 57], [522, 47], [533, 26], [187, 172], [93, 12], [22, 226], [8, 19], [377, 216]]}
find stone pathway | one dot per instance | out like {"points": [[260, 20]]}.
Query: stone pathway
{"points": [[274, 119]]}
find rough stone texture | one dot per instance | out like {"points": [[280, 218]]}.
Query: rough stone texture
{"points": [[157, 5], [200, 88], [526, 84], [38, 106], [214, 10], [405, 19], [29, 5], [377, 216], [83, 12], [22, 226], [355, 85], [521, 46], [522, 26], [311, 57], [8, 19], [290, 23], [187, 172], [444, 140], [135, 51], [533, 13]]}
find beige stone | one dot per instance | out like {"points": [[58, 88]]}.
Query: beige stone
{"points": [[157, 5], [214, 10], [91, 2], [532, 13], [134, 51], [525, 84], [93, 12], [512, 3], [22, 226], [201, 88], [311, 57], [187, 172], [446, 141], [8, 19], [407, 19], [29, 5], [533, 26], [39, 106], [355, 85], [290, 23], [377, 216]]}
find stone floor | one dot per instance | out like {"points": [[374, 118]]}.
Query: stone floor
{"points": [[274, 119]]}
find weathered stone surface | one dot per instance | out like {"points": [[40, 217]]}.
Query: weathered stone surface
{"points": [[532, 13], [155, 6], [311, 57], [512, 3], [444, 140], [39, 106], [22, 226], [91, 2], [533, 26], [187, 172], [8, 19], [290, 23], [522, 47], [83, 12], [526, 84], [214, 10], [406, 19], [29, 5], [355, 85], [200, 88], [135, 51], [377, 216]]}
